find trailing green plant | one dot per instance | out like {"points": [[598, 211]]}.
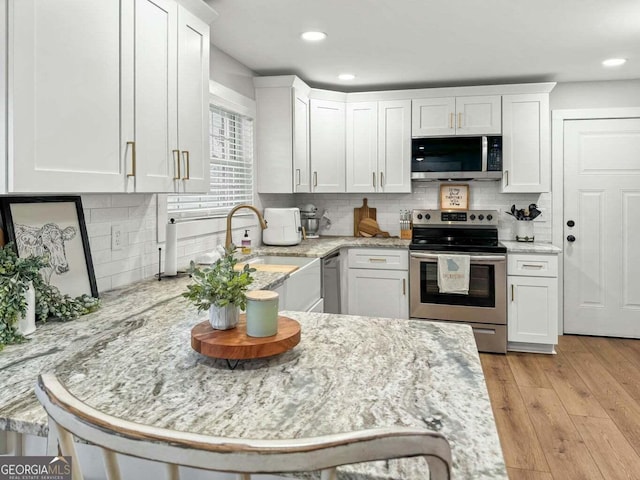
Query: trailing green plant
{"points": [[220, 284], [16, 274]]}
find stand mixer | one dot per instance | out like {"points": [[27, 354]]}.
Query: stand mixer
{"points": [[310, 222]]}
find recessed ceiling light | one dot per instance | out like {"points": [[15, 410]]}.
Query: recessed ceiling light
{"points": [[614, 62], [346, 76], [313, 36]]}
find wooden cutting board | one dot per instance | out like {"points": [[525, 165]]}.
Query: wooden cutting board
{"points": [[361, 213], [261, 267]]}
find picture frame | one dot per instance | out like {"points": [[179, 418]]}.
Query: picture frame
{"points": [[454, 197], [52, 225]]}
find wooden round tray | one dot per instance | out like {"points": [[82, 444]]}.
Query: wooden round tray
{"points": [[235, 344]]}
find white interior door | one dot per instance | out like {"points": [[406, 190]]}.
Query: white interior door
{"points": [[602, 254]]}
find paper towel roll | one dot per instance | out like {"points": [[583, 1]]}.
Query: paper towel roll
{"points": [[171, 250]]}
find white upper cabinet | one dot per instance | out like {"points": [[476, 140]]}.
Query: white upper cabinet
{"points": [[156, 103], [526, 145], [66, 83], [472, 115], [94, 92], [302, 180], [193, 101], [282, 135], [378, 145], [394, 146], [327, 127], [433, 117], [362, 147]]}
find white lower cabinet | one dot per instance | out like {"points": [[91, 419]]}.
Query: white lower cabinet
{"points": [[532, 303], [379, 285]]}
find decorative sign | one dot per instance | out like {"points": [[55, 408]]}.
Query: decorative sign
{"points": [[454, 197]]}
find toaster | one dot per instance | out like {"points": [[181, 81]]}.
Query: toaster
{"points": [[283, 226]]}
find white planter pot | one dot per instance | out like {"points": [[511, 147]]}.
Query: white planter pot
{"points": [[27, 323], [223, 318]]}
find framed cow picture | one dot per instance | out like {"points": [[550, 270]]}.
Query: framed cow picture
{"points": [[53, 226]]}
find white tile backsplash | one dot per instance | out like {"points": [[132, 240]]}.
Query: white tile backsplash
{"points": [[483, 195], [138, 258]]}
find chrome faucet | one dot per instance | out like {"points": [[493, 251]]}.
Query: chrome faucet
{"points": [[263, 223]]}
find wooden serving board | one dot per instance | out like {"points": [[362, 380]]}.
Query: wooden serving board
{"points": [[235, 344], [361, 213], [262, 267]]}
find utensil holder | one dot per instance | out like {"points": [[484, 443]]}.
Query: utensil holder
{"points": [[524, 231]]}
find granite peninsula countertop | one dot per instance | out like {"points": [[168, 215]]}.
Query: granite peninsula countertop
{"points": [[133, 359]]}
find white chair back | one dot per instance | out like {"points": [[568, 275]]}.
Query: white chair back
{"points": [[70, 417]]}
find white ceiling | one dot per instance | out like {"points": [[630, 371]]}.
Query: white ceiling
{"points": [[408, 43]]}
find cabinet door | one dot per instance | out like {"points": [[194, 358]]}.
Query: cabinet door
{"points": [[526, 147], [433, 117], [480, 115], [327, 146], [156, 101], [394, 146], [302, 175], [193, 101], [362, 147], [66, 86], [378, 293], [533, 310]]}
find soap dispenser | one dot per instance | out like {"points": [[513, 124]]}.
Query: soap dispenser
{"points": [[246, 243]]}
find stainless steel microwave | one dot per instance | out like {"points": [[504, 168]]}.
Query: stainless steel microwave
{"points": [[456, 158]]}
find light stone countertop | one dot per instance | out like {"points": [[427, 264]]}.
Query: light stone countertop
{"points": [[530, 247], [133, 359]]}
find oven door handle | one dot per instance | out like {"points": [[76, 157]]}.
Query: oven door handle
{"points": [[474, 258]]}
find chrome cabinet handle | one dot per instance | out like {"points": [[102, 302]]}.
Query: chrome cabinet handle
{"points": [[177, 158], [530, 265], [377, 260], [373, 174], [187, 161], [133, 159], [381, 180], [404, 286], [315, 179], [513, 295], [298, 175], [506, 178], [460, 120], [451, 120]]}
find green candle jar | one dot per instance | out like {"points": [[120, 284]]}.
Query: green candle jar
{"points": [[262, 313]]}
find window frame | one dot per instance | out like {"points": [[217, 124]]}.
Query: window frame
{"points": [[228, 99]]}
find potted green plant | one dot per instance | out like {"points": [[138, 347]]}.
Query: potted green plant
{"points": [[26, 295], [221, 289]]}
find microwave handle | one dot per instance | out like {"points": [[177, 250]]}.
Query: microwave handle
{"points": [[485, 152], [474, 258]]}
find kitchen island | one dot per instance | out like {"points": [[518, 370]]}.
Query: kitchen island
{"points": [[133, 359]]}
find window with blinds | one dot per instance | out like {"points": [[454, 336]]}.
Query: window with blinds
{"points": [[231, 169]]}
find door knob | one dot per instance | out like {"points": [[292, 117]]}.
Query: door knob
{"points": [[571, 223], [571, 238]]}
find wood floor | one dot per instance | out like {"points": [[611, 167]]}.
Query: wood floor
{"points": [[574, 415]]}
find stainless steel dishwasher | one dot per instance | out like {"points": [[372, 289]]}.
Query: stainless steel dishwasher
{"points": [[331, 283]]}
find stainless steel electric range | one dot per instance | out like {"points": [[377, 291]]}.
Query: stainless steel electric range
{"points": [[473, 233]]}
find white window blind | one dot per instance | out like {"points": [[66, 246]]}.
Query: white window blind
{"points": [[230, 172]]}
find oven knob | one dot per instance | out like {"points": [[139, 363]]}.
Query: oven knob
{"points": [[489, 217], [480, 217], [419, 216], [472, 216], [427, 216]]}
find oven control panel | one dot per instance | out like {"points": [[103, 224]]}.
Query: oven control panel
{"points": [[455, 217]]}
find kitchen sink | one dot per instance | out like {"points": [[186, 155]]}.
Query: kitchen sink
{"points": [[302, 291]]}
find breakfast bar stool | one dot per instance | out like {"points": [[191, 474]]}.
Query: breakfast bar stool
{"points": [[70, 417]]}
